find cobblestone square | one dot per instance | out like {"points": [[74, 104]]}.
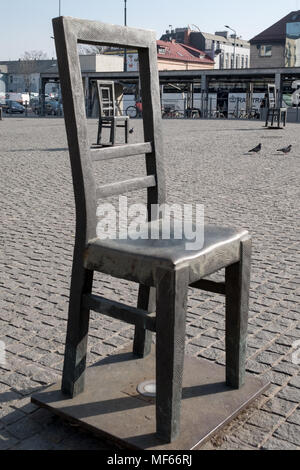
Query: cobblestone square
{"points": [[207, 163]]}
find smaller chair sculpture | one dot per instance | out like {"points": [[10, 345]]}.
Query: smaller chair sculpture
{"points": [[107, 112], [275, 113]]}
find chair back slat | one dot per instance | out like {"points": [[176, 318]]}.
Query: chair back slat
{"points": [[120, 151], [122, 187], [106, 98]]}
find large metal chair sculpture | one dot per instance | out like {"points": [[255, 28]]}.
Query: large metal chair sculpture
{"points": [[163, 269], [107, 112]]}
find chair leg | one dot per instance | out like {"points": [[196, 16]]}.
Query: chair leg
{"points": [[126, 131], [113, 131], [237, 282], [99, 132], [77, 334], [267, 119], [171, 304], [272, 121], [143, 338]]}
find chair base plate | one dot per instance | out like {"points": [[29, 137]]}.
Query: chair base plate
{"points": [[111, 407]]}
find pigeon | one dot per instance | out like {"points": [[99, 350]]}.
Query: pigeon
{"points": [[131, 131], [285, 149], [256, 149]]}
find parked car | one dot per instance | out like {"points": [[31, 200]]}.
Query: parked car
{"points": [[11, 107], [53, 107], [35, 105]]}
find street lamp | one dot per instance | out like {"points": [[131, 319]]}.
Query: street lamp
{"points": [[197, 27], [125, 24], [125, 12], [228, 27], [59, 7]]}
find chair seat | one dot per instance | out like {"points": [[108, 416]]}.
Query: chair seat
{"points": [[137, 260], [114, 118]]}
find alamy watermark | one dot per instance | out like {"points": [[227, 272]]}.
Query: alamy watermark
{"points": [[129, 221], [2, 353]]}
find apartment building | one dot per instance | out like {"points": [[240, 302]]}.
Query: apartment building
{"points": [[278, 45], [227, 51]]}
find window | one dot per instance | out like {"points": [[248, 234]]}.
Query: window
{"points": [[243, 62], [265, 51], [161, 50]]}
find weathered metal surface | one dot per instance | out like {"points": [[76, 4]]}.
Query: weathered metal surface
{"points": [[120, 151], [77, 333], [162, 264], [95, 32], [171, 304], [137, 260], [112, 408], [131, 315], [133, 184], [142, 337], [68, 32], [237, 282]]}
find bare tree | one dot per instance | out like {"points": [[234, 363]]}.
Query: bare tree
{"points": [[34, 55], [28, 66], [86, 49]]}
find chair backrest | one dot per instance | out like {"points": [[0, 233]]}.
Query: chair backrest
{"points": [[272, 96], [106, 98], [68, 33]]}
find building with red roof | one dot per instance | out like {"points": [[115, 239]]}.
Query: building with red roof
{"points": [[171, 55], [175, 56]]}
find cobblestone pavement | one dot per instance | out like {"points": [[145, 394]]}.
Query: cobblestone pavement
{"points": [[206, 163]]}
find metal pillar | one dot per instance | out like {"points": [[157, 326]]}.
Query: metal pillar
{"points": [[42, 96], [204, 95], [278, 89], [249, 98], [125, 24]]}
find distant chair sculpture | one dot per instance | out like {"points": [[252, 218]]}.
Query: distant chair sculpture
{"points": [[108, 117], [275, 114], [163, 269]]}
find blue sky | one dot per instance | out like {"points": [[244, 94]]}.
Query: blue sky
{"points": [[26, 24]]}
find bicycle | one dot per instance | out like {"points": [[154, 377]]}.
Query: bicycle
{"points": [[171, 113], [134, 111]]}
